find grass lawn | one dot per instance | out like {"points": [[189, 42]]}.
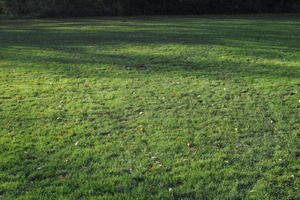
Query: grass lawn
{"points": [[150, 108]]}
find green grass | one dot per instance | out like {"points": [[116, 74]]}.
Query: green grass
{"points": [[150, 108]]}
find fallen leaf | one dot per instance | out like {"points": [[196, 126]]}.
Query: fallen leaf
{"points": [[71, 132]]}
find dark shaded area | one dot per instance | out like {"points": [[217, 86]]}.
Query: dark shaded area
{"points": [[248, 47], [144, 7]]}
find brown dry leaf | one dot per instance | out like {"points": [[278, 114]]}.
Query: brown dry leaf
{"points": [[152, 168], [61, 177], [155, 167], [142, 129], [190, 144], [104, 113], [71, 132]]}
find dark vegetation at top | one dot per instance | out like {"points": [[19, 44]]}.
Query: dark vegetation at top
{"points": [[54, 8]]}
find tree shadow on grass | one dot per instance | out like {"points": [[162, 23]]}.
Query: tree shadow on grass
{"points": [[252, 48]]}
